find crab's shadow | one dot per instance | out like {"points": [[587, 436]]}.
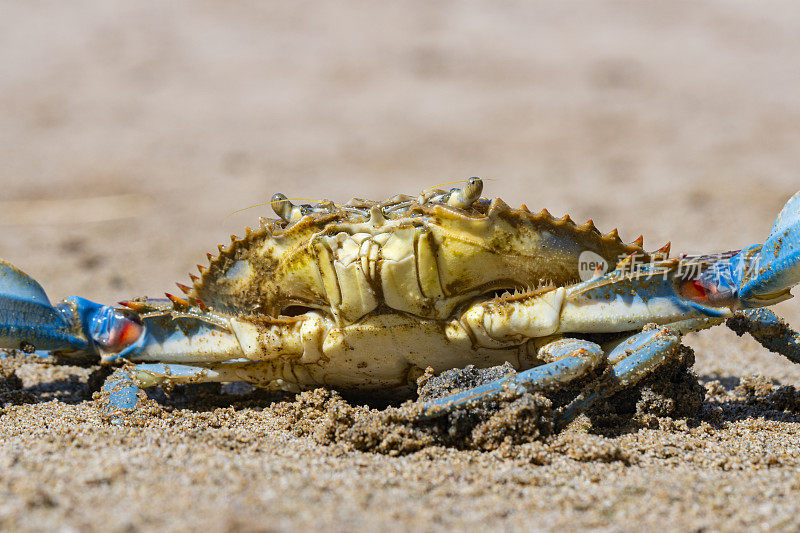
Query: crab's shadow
{"points": [[29, 379], [239, 395], [204, 397], [726, 400], [735, 398]]}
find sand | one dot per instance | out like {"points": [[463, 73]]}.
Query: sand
{"points": [[133, 132]]}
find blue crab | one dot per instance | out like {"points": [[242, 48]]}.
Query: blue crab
{"points": [[367, 295]]}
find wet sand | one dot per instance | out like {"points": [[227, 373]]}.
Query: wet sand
{"points": [[132, 132]]}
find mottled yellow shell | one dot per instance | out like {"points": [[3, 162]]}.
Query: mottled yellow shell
{"points": [[415, 255]]}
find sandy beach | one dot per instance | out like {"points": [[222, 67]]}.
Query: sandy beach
{"points": [[134, 135]]}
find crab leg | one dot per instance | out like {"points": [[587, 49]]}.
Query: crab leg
{"points": [[124, 384], [571, 359], [768, 329], [122, 391], [633, 359]]}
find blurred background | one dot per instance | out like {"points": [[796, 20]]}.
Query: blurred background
{"points": [[131, 131]]}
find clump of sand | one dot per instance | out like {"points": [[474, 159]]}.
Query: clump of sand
{"points": [[327, 418], [673, 392]]}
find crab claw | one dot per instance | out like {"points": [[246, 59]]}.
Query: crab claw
{"points": [[28, 320], [74, 327], [757, 276], [774, 269]]}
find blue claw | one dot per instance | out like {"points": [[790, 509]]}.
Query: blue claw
{"points": [[761, 274], [75, 326], [28, 319], [765, 274], [779, 267]]}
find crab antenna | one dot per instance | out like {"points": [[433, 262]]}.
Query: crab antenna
{"points": [[464, 198], [438, 185], [246, 208]]}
